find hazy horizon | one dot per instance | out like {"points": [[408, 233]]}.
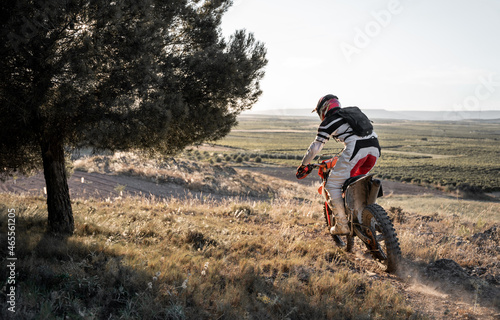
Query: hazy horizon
{"points": [[377, 54], [436, 115]]}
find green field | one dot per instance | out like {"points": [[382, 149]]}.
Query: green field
{"points": [[458, 155]]}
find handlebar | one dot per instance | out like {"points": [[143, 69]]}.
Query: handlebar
{"points": [[323, 167], [318, 165]]}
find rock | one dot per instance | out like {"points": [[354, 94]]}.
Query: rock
{"points": [[492, 234], [446, 269]]}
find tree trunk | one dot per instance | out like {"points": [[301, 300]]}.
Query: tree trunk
{"points": [[58, 201]]}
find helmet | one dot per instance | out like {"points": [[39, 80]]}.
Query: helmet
{"points": [[325, 104]]}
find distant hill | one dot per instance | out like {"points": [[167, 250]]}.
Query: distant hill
{"points": [[396, 115]]}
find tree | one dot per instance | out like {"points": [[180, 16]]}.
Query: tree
{"points": [[119, 75]]}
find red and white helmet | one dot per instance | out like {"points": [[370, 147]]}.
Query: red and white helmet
{"points": [[326, 104]]}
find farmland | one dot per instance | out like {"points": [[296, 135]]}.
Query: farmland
{"points": [[454, 156]]}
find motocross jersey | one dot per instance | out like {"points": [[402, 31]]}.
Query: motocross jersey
{"points": [[337, 127]]}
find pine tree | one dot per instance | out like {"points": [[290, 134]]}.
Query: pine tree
{"points": [[117, 75]]}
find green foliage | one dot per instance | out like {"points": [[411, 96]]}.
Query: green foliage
{"points": [[121, 75], [117, 75]]}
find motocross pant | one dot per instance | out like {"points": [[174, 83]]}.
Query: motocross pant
{"points": [[357, 158]]}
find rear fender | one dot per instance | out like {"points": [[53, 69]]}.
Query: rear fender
{"points": [[361, 193], [375, 191]]}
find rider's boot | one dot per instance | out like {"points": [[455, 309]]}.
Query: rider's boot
{"points": [[341, 225]]}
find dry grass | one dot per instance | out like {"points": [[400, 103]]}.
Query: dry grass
{"points": [[195, 176], [431, 228], [457, 244], [141, 258], [228, 258]]}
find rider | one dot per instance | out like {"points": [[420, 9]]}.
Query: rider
{"points": [[358, 156]]}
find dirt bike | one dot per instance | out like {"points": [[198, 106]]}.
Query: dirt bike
{"points": [[367, 220]]}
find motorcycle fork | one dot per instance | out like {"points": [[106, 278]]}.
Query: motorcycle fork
{"points": [[329, 211]]}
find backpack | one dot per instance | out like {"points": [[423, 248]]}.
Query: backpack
{"points": [[359, 122]]}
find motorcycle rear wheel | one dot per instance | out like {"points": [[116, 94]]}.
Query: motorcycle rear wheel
{"points": [[384, 246]]}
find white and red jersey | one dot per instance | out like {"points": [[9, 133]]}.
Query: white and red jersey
{"points": [[337, 127]]}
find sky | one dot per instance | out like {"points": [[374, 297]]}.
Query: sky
{"points": [[397, 55]]}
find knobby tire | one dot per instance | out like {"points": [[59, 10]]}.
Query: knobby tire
{"points": [[389, 253]]}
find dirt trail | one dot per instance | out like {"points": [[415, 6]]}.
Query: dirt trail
{"points": [[390, 187], [434, 156], [97, 185], [101, 186], [436, 299]]}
